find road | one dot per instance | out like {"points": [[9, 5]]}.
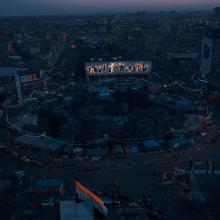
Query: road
{"points": [[135, 180]]}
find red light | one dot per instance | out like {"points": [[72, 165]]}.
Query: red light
{"points": [[73, 46]]}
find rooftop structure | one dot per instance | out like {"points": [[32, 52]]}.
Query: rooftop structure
{"points": [[9, 71], [70, 210], [182, 55], [210, 60], [48, 185], [40, 142]]}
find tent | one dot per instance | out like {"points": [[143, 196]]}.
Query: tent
{"points": [[177, 142], [131, 149], [41, 142], [48, 185], [181, 104], [117, 150], [151, 144]]}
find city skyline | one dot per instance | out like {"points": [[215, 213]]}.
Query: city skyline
{"points": [[109, 109], [58, 7]]}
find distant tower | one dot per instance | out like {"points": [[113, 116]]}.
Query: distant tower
{"points": [[217, 12], [210, 59]]}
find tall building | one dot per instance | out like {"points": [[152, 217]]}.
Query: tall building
{"points": [[217, 11], [210, 59]]}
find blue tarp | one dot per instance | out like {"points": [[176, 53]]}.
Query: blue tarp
{"points": [[197, 197], [197, 200], [160, 141], [151, 144], [180, 142], [200, 83], [48, 184], [182, 104], [132, 148], [104, 94]]}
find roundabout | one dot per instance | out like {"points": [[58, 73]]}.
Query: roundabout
{"points": [[52, 126]]}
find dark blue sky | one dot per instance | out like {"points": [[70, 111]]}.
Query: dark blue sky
{"points": [[48, 7]]}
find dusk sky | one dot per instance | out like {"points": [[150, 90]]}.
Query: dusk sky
{"points": [[49, 7]]}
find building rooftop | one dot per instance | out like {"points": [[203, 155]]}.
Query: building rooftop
{"points": [[70, 210], [40, 142], [8, 71]]}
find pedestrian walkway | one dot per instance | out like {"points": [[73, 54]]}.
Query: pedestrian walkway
{"points": [[217, 172]]}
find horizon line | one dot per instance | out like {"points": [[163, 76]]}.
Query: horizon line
{"points": [[110, 12]]}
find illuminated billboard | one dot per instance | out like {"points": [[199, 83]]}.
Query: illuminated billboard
{"points": [[28, 78], [117, 68]]}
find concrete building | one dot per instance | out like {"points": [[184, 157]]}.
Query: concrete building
{"points": [[217, 11], [70, 210], [210, 60]]}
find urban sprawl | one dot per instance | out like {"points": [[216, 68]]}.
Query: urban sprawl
{"points": [[111, 116]]}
